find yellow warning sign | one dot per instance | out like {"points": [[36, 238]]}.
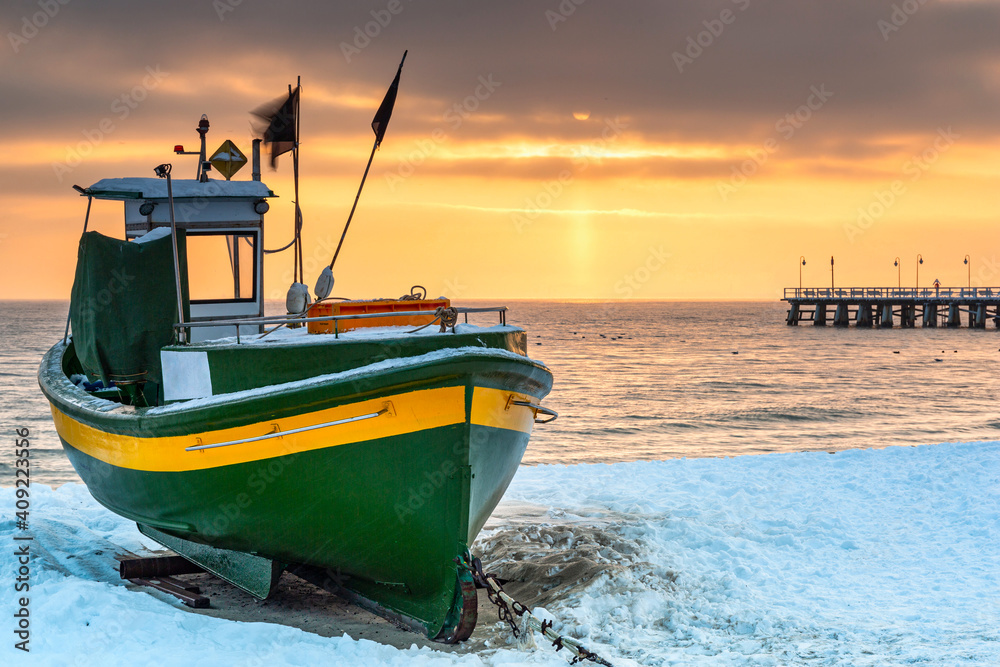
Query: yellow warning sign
{"points": [[227, 159]]}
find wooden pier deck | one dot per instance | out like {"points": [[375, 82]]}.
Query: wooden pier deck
{"points": [[886, 306]]}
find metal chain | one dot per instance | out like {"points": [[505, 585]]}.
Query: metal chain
{"points": [[507, 607]]}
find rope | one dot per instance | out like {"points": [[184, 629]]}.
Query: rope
{"points": [[271, 330], [413, 296], [449, 317], [286, 247], [508, 607]]}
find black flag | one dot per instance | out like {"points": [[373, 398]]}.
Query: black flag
{"points": [[381, 120], [279, 127]]}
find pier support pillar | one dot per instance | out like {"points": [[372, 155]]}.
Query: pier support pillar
{"points": [[819, 319], [841, 319], [908, 315], [930, 314], [980, 316], [864, 315], [885, 320], [793, 314], [954, 315]]}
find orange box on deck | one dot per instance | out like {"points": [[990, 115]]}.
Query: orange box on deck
{"points": [[387, 306]]}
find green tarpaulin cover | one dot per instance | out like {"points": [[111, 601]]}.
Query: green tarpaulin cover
{"points": [[124, 305]]}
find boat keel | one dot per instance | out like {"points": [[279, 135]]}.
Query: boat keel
{"points": [[458, 625], [254, 574], [464, 611]]}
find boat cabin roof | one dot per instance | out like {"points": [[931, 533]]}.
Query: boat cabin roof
{"points": [[153, 189], [200, 206]]}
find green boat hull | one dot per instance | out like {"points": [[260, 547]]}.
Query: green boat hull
{"points": [[384, 506]]}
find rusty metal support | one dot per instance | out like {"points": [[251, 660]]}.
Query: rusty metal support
{"points": [[186, 593], [139, 568]]}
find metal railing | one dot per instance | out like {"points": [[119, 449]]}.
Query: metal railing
{"points": [[276, 432], [892, 293], [274, 320]]}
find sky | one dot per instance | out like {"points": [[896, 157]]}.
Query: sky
{"points": [[553, 149]]}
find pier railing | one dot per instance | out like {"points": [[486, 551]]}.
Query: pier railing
{"points": [[892, 293]]}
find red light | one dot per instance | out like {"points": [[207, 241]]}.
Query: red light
{"points": [[178, 148]]}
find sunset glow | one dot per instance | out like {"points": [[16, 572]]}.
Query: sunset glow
{"points": [[525, 172]]}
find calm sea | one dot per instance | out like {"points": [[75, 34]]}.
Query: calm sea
{"points": [[657, 380]]}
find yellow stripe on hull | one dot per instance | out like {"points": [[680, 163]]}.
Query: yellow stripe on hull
{"points": [[492, 407], [408, 413]]}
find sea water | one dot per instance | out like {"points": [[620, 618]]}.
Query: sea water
{"points": [[639, 521], [662, 380]]}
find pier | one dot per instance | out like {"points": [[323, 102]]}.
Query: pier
{"points": [[888, 306]]}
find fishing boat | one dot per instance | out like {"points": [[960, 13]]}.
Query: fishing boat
{"points": [[368, 440]]}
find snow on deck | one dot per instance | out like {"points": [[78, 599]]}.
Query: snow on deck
{"points": [[301, 335], [863, 557], [377, 368], [156, 188]]}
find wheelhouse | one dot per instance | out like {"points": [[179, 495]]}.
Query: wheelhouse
{"points": [[223, 222]]}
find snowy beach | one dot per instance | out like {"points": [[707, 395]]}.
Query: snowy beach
{"points": [[863, 557]]}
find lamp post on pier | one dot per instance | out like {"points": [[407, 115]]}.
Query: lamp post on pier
{"points": [[899, 275], [968, 262], [831, 274], [802, 259], [920, 260]]}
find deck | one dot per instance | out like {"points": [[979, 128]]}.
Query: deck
{"points": [[886, 306]]}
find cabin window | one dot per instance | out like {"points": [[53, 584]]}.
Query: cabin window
{"points": [[222, 266]]}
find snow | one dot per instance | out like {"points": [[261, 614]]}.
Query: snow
{"points": [[228, 156], [156, 188], [863, 557], [153, 235], [453, 354], [52, 372], [51, 368], [301, 336]]}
